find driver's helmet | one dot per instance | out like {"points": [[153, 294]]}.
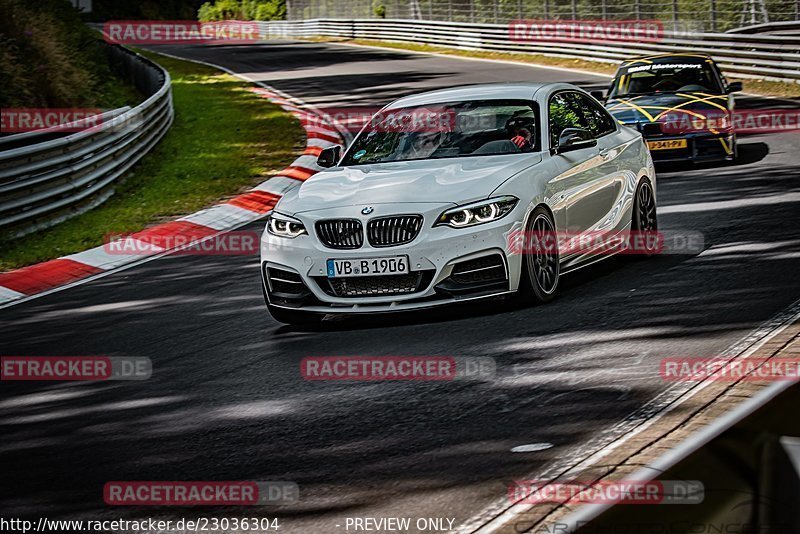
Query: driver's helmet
{"points": [[519, 121]]}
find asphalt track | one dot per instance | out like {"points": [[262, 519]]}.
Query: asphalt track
{"points": [[227, 402]]}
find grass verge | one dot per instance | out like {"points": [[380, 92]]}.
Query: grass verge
{"points": [[759, 87], [224, 139]]}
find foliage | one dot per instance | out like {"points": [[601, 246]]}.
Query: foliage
{"points": [[144, 9], [242, 10], [49, 58]]}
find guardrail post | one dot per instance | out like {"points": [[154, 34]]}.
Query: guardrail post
{"points": [[714, 15]]}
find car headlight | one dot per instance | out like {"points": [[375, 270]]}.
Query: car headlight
{"points": [[477, 213], [283, 226]]}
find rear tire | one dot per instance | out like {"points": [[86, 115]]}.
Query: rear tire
{"points": [[540, 263], [644, 219]]}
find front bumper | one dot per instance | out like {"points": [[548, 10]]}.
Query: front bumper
{"points": [[699, 148], [447, 265]]}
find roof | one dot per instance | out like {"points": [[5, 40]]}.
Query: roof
{"points": [[687, 57], [489, 91]]}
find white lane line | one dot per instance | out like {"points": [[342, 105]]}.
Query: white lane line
{"points": [[221, 216], [9, 294], [289, 98], [279, 185], [501, 512], [110, 256], [503, 61], [704, 207]]}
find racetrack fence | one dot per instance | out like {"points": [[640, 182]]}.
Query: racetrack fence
{"points": [[47, 176], [702, 15], [744, 55]]}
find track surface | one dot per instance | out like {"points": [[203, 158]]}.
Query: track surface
{"points": [[226, 401]]}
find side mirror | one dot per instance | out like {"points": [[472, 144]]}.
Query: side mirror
{"points": [[329, 156], [735, 87], [598, 95], [574, 139]]}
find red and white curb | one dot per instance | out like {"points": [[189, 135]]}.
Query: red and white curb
{"points": [[156, 240]]}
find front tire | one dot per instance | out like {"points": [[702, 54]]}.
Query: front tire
{"points": [[540, 264]]}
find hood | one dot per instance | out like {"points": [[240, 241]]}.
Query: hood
{"points": [[456, 180], [651, 108]]}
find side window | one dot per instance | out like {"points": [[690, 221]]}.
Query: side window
{"points": [[597, 119], [719, 78], [563, 115]]}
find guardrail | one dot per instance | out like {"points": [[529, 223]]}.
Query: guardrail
{"points": [[748, 461], [791, 27], [759, 56], [46, 177]]}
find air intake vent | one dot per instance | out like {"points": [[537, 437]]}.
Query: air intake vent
{"points": [[394, 230], [341, 233], [486, 269], [376, 286]]}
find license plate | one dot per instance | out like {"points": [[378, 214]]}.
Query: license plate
{"points": [[368, 267], [667, 144]]}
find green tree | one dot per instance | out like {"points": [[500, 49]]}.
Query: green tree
{"points": [[242, 10]]}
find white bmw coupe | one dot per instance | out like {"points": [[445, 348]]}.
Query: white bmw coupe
{"points": [[427, 204]]}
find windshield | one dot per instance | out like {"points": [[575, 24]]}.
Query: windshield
{"points": [[447, 130], [672, 77]]}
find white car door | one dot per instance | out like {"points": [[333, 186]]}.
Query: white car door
{"points": [[590, 177]]}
